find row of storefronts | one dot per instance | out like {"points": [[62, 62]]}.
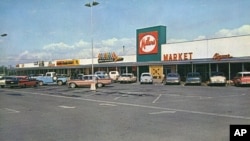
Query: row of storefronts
{"points": [[229, 55]]}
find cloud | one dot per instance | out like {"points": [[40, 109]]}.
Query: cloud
{"points": [[58, 46], [82, 44], [202, 37], [109, 42], [243, 30], [82, 49]]}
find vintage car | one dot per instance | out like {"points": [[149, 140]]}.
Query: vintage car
{"points": [[20, 81], [172, 78], [127, 78], [217, 78], [26, 81], [102, 74], [146, 78], [242, 78], [11, 81], [114, 75], [87, 80], [2, 81], [51, 78], [193, 78]]}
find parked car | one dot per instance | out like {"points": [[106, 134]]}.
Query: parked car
{"points": [[51, 78], [146, 78], [2, 81], [127, 78], [193, 78], [11, 81], [102, 74], [242, 78], [172, 78], [87, 80], [114, 75], [217, 78], [26, 81]]}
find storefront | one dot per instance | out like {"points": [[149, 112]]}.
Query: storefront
{"points": [[229, 55]]}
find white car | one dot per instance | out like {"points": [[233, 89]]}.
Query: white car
{"points": [[127, 78], [114, 75], [146, 77], [217, 78]]}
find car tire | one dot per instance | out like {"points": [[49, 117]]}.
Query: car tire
{"points": [[99, 85], [40, 83], [72, 85], [59, 83]]}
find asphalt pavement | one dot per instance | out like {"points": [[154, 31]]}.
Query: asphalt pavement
{"points": [[122, 112]]}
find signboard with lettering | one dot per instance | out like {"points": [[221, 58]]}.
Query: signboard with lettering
{"points": [[214, 49], [67, 62], [149, 41], [178, 56], [218, 57], [108, 57]]}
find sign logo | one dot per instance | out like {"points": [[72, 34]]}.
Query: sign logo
{"points": [[148, 43], [108, 57], [239, 132], [218, 57], [67, 62]]}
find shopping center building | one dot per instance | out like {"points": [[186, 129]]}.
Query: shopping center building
{"points": [[153, 54]]}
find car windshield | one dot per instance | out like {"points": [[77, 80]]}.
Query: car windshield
{"points": [[246, 74], [193, 75], [172, 75], [217, 74], [146, 74]]}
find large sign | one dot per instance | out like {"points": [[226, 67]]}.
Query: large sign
{"points": [[108, 57], [67, 62], [178, 56], [156, 71], [149, 41]]}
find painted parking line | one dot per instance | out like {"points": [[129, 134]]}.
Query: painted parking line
{"points": [[116, 98], [157, 98], [107, 104], [230, 96], [66, 107], [11, 110], [141, 106], [188, 96], [162, 112]]}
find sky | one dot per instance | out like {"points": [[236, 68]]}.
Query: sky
{"points": [[46, 30]]}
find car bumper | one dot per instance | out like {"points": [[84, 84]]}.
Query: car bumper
{"points": [[146, 81]]}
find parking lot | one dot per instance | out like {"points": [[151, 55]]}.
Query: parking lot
{"points": [[123, 112]]}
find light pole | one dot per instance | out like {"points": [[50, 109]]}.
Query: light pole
{"points": [[91, 4], [3, 35]]}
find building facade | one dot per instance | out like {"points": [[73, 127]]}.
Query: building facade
{"points": [[229, 55]]}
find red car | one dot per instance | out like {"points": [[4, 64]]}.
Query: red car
{"points": [[25, 81], [242, 78]]}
